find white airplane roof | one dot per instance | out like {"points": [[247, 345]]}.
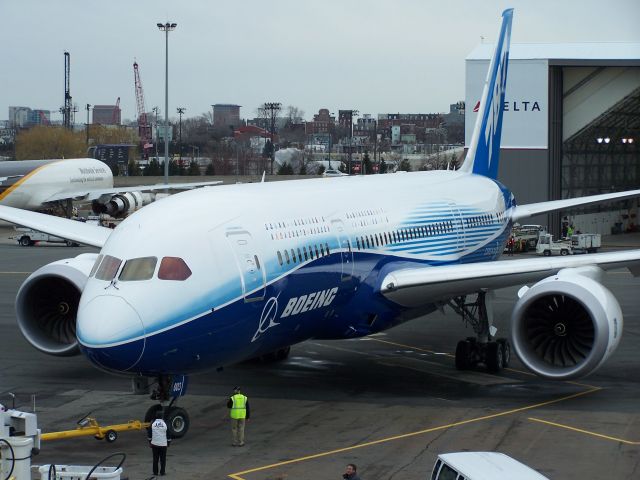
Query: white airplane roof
{"points": [[489, 466]]}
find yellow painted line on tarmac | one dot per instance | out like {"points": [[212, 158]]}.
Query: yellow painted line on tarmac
{"points": [[238, 475], [586, 432]]}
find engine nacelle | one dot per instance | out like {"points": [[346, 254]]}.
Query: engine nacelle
{"points": [[47, 304], [566, 326], [123, 203]]}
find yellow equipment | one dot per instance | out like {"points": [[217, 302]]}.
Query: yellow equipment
{"points": [[89, 426]]}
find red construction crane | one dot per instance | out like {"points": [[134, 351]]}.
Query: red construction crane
{"points": [[144, 129], [115, 118]]}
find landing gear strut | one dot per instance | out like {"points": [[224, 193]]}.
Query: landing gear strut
{"points": [[176, 418], [495, 354]]}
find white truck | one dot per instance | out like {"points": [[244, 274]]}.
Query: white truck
{"points": [[481, 466], [28, 237], [547, 246], [586, 242]]}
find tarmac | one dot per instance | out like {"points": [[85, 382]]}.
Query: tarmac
{"points": [[389, 403]]}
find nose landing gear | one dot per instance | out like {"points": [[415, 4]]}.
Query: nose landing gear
{"points": [[176, 418]]}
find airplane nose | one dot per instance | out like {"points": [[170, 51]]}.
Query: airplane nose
{"points": [[111, 332]]}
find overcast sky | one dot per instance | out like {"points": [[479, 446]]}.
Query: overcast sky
{"points": [[376, 56]]}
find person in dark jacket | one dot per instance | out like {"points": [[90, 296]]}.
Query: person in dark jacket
{"points": [[351, 472]]}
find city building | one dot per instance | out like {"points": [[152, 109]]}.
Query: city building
{"points": [[226, 115], [323, 123], [571, 127], [107, 115]]}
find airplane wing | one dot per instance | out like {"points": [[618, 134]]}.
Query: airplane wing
{"points": [[80, 232], [413, 287], [523, 211], [91, 194]]}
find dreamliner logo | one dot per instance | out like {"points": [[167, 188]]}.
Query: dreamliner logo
{"points": [[267, 318]]}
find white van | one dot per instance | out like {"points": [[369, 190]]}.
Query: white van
{"points": [[481, 466]]}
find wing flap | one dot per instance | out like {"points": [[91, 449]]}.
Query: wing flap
{"points": [[84, 233], [524, 211], [418, 286]]}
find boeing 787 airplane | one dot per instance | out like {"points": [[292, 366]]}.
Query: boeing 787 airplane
{"points": [[210, 277], [48, 184]]}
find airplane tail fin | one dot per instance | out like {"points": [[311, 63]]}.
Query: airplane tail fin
{"points": [[484, 150]]}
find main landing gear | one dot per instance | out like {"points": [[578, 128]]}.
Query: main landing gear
{"points": [[495, 354], [176, 418]]}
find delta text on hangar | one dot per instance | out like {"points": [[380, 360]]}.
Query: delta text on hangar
{"points": [[571, 127]]}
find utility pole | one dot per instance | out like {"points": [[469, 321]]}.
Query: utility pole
{"points": [[273, 108], [88, 107], [181, 111], [67, 109]]}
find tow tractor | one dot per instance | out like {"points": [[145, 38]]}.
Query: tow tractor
{"points": [[547, 246]]}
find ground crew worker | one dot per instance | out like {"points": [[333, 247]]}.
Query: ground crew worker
{"points": [[511, 243], [159, 441], [238, 405]]}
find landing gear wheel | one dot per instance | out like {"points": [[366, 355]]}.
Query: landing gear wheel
{"points": [[150, 416], [494, 358], [111, 436], [177, 422], [506, 351], [463, 355]]}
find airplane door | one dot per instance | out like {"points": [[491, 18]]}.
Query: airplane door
{"points": [[346, 253], [252, 274], [458, 226]]}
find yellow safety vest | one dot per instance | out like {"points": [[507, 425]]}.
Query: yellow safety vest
{"points": [[239, 407]]}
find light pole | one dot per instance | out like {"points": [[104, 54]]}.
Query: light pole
{"points": [[166, 28], [181, 111]]}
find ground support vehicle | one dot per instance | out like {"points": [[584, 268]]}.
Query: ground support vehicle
{"points": [[547, 246], [28, 237], [586, 242], [481, 466]]}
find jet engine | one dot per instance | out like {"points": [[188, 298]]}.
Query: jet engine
{"points": [[47, 304], [567, 325], [123, 203]]}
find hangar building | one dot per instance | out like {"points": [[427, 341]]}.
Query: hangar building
{"points": [[571, 127]]}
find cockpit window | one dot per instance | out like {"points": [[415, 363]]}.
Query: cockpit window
{"points": [[96, 265], [138, 269], [108, 268], [173, 268]]}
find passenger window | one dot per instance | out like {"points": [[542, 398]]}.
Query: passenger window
{"points": [[108, 268], [279, 258], [304, 249], [293, 255], [326, 247], [358, 243], [310, 252], [317, 254], [173, 268], [255, 257], [138, 269], [321, 250], [96, 265], [286, 256], [299, 254]]}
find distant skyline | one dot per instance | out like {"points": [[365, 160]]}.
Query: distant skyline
{"points": [[375, 56]]}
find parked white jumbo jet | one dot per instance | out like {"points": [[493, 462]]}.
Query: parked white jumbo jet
{"points": [[211, 277], [42, 184]]}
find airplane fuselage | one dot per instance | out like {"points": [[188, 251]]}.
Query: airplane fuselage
{"points": [[273, 264], [32, 183]]}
